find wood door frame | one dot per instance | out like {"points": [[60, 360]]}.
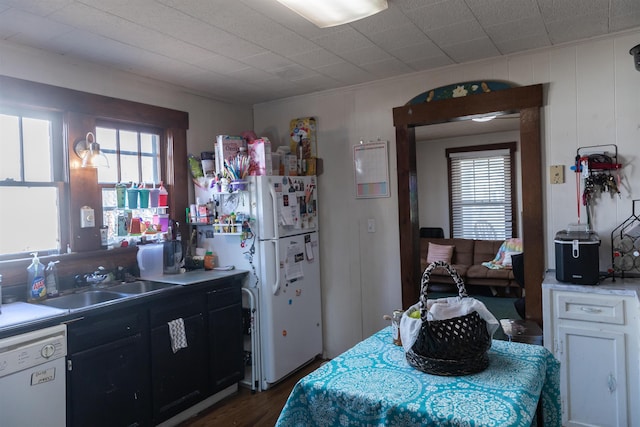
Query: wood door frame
{"points": [[525, 100]]}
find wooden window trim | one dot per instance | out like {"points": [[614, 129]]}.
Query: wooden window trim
{"points": [[80, 113], [511, 146]]}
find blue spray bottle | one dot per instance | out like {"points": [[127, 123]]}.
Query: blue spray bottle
{"points": [[36, 288]]}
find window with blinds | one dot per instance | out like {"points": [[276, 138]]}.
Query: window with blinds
{"points": [[481, 191]]}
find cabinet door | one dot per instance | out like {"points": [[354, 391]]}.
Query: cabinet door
{"points": [[593, 377], [226, 346], [108, 385], [179, 380]]}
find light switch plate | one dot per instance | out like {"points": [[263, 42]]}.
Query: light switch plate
{"points": [[556, 174], [87, 217], [371, 225]]}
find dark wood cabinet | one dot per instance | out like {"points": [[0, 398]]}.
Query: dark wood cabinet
{"points": [[107, 380], [122, 370], [178, 378], [225, 336]]}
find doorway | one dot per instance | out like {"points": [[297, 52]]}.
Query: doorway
{"points": [[526, 101]]}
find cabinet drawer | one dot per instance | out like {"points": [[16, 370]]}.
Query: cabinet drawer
{"points": [[224, 297], [91, 332], [591, 308], [174, 308]]}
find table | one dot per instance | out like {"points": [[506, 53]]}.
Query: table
{"points": [[372, 384]]}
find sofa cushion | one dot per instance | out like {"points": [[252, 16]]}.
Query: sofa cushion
{"points": [[485, 250], [439, 253], [462, 251], [481, 275]]}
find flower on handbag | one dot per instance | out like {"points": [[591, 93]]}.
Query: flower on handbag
{"points": [[459, 91]]}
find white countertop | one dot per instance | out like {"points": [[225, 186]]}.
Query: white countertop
{"points": [[626, 286], [18, 313], [195, 276]]}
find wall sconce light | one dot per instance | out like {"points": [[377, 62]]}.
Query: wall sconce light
{"points": [[329, 13], [635, 52], [89, 151]]}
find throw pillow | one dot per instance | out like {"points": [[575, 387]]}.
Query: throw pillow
{"points": [[439, 253]]}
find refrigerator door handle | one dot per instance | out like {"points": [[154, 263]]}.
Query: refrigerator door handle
{"points": [[274, 204], [276, 285]]}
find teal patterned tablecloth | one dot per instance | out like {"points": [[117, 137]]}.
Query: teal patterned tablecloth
{"points": [[372, 384]]}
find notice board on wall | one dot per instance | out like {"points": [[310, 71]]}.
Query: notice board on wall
{"points": [[371, 170]]}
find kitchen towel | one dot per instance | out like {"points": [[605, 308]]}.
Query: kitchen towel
{"points": [[177, 334]]}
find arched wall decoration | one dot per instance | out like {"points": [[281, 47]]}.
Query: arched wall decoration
{"points": [[458, 90], [526, 100]]}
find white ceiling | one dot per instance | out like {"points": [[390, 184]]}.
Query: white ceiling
{"points": [[252, 51]]}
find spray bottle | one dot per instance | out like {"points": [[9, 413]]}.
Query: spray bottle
{"points": [[51, 279], [36, 288]]}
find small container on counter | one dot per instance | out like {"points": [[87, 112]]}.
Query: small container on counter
{"points": [[209, 261]]}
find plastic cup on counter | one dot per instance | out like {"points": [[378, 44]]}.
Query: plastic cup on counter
{"points": [[144, 198], [163, 196], [132, 197], [154, 197], [121, 190], [163, 220]]}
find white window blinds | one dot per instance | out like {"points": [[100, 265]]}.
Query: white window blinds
{"points": [[480, 194]]}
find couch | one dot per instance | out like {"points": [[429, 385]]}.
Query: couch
{"points": [[467, 258]]}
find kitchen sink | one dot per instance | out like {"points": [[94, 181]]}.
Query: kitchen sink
{"points": [[83, 299], [140, 287]]}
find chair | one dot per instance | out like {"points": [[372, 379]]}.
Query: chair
{"points": [[434, 232]]}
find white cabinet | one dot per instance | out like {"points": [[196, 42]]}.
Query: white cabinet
{"points": [[593, 332]]}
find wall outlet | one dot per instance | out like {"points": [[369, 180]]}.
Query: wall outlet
{"points": [[556, 173], [371, 225]]}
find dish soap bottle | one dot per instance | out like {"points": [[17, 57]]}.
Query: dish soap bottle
{"points": [[51, 279], [36, 288]]}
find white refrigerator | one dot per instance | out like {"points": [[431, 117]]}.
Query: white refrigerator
{"points": [[284, 272]]}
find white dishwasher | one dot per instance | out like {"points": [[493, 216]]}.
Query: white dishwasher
{"points": [[32, 378]]}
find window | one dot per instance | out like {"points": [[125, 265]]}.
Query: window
{"points": [[481, 191], [134, 158], [32, 183]]}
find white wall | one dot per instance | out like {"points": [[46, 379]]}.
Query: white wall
{"points": [[592, 96]]}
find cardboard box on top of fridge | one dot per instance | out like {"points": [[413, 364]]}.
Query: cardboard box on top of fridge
{"points": [[260, 160], [227, 148]]}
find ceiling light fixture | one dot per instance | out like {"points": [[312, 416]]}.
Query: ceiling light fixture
{"points": [[329, 13], [484, 119], [89, 151]]}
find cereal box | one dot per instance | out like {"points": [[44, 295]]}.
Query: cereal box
{"points": [[227, 148]]}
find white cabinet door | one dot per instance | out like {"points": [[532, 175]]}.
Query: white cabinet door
{"points": [[593, 377]]}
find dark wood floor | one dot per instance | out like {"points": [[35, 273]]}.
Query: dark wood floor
{"points": [[246, 409]]}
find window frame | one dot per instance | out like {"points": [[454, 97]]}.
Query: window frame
{"points": [[80, 111], [59, 168], [511, 147], [120, 126]]}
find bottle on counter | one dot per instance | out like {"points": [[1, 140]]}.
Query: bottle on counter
{"points": [[51, 279], [209, 260], [36, 287]]}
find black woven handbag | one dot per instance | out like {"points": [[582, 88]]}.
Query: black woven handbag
{"points": [[452, 347]]}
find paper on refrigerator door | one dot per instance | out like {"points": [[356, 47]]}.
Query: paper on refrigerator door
{"points": [[308, 247], [288, 209], [293, 263]]}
